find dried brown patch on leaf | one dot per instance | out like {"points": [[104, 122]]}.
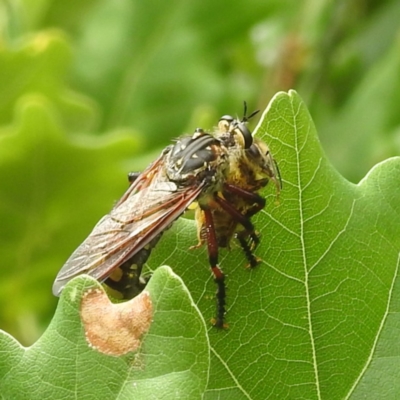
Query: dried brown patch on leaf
{"points": [[115, 329]]}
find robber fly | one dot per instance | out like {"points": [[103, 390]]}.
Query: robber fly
{"points": [[184, 172], [249, 171], [251, 167], [197, 168]]}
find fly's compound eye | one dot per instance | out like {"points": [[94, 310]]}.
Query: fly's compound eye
{"points": [[227, 118], [254, 151], [242, 129], [259, 152], [225, 123]]}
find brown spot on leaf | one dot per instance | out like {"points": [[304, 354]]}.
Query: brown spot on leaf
{"points": [[115, 329]]}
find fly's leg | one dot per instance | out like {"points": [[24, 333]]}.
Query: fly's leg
{"points": [[219, 277], [248, 246], [250, 197], [132, 176], [257, 204]]}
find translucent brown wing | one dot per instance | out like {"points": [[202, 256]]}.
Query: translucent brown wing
{"points": [[147, 208]]}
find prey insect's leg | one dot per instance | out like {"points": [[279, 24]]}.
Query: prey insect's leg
{"points": [[249, 231], [243, 220], [219, 277], [251, 197]]}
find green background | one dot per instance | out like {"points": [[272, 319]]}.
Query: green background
{"points": [[93, 89]]}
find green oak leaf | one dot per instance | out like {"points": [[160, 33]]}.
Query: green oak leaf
{"points": [[317, 318], [170, 363], [309, 320]]}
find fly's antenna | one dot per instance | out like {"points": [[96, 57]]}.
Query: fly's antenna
{"points": [[245, 117]]}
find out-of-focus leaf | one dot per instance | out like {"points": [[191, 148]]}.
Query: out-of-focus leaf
{"points": [[45, 190], [360, 135], [163, 60], [39, 66]]}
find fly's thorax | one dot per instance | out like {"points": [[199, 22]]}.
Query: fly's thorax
{"points": [[197, 158]]}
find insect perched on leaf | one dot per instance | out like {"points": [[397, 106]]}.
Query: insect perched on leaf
{"points": [[228, 214], [221, 173]]}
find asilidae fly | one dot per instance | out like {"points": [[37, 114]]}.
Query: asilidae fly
{"points": [[120, 243], [251, 167], [211, 170]]}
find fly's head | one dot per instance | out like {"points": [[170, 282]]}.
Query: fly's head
{"points": [[196, 158], [234, 132]]}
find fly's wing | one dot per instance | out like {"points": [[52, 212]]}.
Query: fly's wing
{"points": [[137, 218], [153, 173]]}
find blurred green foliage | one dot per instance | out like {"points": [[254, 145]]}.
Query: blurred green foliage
{"points": [[92, 89]]}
